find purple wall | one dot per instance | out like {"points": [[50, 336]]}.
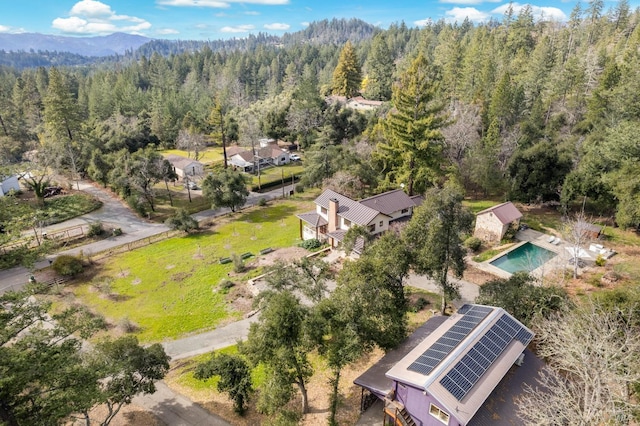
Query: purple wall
{"points": [[417, 404]]}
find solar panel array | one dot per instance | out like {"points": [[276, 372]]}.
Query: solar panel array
{"points": [[466, 373], [473, 315]]}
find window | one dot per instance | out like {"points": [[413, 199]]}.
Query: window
{"points": [[404, 211], [323, 210], [381, 224], [372, 228], [347, 222], [439, 414]]}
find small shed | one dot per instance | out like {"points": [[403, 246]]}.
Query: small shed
{"points": [[493, 223], [8, 183], [185, 166]]}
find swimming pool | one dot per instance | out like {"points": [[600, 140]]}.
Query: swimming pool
{"points": [[527, 257]]}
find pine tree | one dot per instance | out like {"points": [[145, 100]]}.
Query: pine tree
{"points": [[379, 70], [414, 149], [347, 76]]}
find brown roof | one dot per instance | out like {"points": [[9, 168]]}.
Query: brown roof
{"points": [[417, 200], [234, 149], [389, 202], [271, 151], [313, 219], [348, 208], [245, 155], [505, 212]]}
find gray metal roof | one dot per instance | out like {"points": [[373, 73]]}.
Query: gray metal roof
{"points": [[181, 162], [375, 379], [313, 219], [348, 208], [389, 202]]}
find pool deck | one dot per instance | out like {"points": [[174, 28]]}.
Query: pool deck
{"points": [[560, 261]]}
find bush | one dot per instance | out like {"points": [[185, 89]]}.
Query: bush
{"points": [[226, 285], [127, 326], [600, 261], [300, 188], [67, 265], [310, 244], [95, 229], [420, 304], [137, 205], [181, 221], [262, 202], [117, 232], [238, 263], [473, 243]]}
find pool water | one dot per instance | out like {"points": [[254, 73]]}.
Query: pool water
{"points": [[527, 257]]}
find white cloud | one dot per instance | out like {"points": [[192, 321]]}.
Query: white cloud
{"points": [[276, 26], [11, 30], [252, 13], [304, 24], [459, 14], [238, 29], [94, 17], [202, 26], [167, 31], [4, 29], [423, 22], [91, 9], [218, 3], [548, 13]]}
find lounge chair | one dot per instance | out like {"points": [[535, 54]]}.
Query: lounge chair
{"points": [[557, 241], [551, 239]]}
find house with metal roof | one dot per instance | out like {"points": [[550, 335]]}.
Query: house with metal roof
{"points": [[336, 213], [452, 368], [493, 223]]}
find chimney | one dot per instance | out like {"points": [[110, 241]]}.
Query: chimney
{"points": [[333, 214]]}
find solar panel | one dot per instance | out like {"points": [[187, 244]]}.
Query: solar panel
{"points": [[466, 373], [472, 316]]}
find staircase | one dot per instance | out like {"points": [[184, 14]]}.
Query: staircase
{"points": [[398, 413]]}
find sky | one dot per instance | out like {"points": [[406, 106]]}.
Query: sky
{"points": [[223, 19]]}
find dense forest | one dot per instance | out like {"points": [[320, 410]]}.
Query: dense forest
{"points": [[523, 109]]}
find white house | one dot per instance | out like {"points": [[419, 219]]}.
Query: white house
{"points": [[185, 166], [7, 184], [493, 223], [335, 214]]}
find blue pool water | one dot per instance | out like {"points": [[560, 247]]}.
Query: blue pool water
{"points": [[527, 257]]}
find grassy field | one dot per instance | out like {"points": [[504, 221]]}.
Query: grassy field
{"points": [[478, 205], [171, 288], [208, 156], [275, 173]]}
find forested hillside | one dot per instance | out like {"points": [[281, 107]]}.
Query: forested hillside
{"points": [[523, 109]]}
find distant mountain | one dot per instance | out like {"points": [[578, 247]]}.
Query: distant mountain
{"points": [[117, 43]]}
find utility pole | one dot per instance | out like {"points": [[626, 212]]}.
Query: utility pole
{"points": [[282, 170]]}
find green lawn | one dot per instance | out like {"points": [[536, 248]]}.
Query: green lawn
{"points": [[171, 288], [275, 173], [208, 156], [478, 205]]}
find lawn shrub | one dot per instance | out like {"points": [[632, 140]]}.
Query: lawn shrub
{"points": [[226, 285], [95, 229], [262, 202], [600, 261], [473, 243], [420, 304], [127, 326], [238, 263], [310, 244], [67, 265]]}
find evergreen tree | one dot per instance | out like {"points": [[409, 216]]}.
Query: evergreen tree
{"points": [[347, 76], [413, 153], [379, 66]]}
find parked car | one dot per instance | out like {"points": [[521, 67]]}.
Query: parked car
{"points": [[192, 185], [294, 157]]}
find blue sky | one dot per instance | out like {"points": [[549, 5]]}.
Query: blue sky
{"points": [[214, 19]]}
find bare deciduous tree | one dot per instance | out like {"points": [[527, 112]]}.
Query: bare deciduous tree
{"points": [[577, 234], [191, 142], [463, 132], [593, 358]]}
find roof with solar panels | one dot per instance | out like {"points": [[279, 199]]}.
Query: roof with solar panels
{"points": [[464, 359]]}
